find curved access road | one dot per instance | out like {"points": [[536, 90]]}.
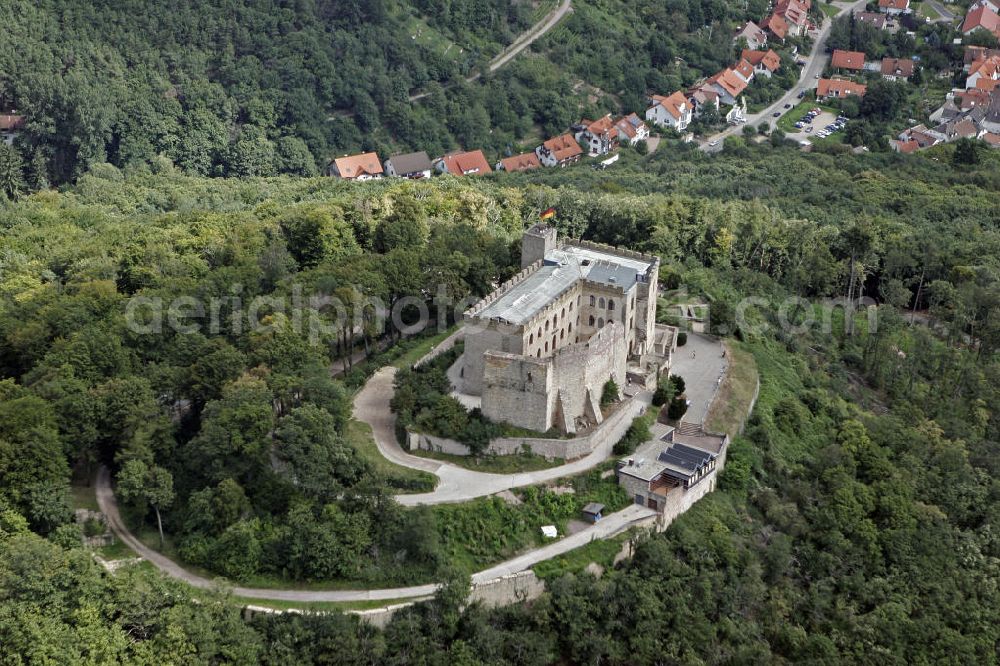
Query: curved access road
{"points": [[523, 41], [608, 527], [811, 71]]}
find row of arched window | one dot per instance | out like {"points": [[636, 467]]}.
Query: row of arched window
{"points": [[596, 302]]}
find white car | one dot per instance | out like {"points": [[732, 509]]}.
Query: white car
{"points": [[713, 143]]}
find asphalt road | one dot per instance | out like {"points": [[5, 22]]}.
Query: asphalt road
{"points": [[815, 64]]}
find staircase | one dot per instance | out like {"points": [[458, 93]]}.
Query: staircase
{"points": [[689, 429]]}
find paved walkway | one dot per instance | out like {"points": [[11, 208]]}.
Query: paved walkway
{"points": [[701, 364], [611, 525], [455, 484]]}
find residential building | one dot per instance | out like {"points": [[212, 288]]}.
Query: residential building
{"points": [[559, 151], [702, 99], [776, 25], [923, 136], [765, 63], [10, 126], [905, 146], [599, 136], [365, 166], [987, 68], [894, 69], [631, 129], [522, 162], [875, 19], [462, 163], [727, 84], [754, 35], [894, 7], [541, 348], [672, 111], [744, 70], [795, 14], [851, 61], [991, 139], [981, 18], [839, 89], [412, 165]]}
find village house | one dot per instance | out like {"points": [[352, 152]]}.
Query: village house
{"points": [[559, 151], [673, 111], [631, 129], [923, 136], [702, 99], [776, 25], [765, 63], [981, 18], [850, 61], [10, 126], [839, 89], [755, 37], [894, 69], [894, 7], [744, 70], [599, 136], [365, 166], [991, 139], [727, 84], [522, 162], [794, 18], [906, 146], [460, 163], [984, 69], [974, 53], [412, 165], [874, 19]]}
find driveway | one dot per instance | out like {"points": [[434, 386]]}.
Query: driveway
{"points": [[701, 364], [610, 526], [815, 64], [458, 484]]}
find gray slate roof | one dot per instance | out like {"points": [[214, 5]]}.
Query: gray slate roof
{"points": [[410, 163]]}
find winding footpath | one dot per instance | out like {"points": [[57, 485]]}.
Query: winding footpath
{"points": [[523, 41], [456, 484]]}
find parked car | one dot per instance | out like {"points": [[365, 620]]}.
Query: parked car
{"points": [[809, 129], [802, 93], [776, 114], [713, 143], [788, 106]]}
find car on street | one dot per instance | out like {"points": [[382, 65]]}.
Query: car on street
{"points": [[788, 106], [816, 77], [776, 114], [713, 144], [809, 129], [802, 93]]}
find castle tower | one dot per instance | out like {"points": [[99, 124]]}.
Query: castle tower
{"points": [[537, 241]]}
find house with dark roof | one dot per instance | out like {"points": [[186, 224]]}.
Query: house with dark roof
{"points": [[874, 19], [365, 166], [522, 162], [463, 163], [559, 151], [412, 165], [753, 34]]}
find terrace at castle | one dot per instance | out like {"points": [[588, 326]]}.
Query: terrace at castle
{"points": [[540, 349]]}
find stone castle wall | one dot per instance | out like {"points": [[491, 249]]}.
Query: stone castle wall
{"points": [[518, 390]]}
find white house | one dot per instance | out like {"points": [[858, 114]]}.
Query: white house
{"points": [[674, 111], [894, 7], [754, 35], [631, 129], [412, 165]]}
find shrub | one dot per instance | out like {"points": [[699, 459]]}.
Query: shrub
{"points": [[677, 408], [610, 393], [682, 338], [636, 434]]}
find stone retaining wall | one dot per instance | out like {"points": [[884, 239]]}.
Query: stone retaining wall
{"points": [[612, 429]]}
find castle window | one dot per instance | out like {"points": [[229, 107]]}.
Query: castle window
{"points": [[600, 303], [611, 304], [555, 319], [564, 313], [546, 326], [546, 346], [571, 306], [531, 338], [591, 320], [538, 353], [593, 301], [611, 321], [600, 323], [571, 327], [562, 335]]}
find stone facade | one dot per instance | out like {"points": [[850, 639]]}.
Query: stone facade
{"points": [[540, 349]]}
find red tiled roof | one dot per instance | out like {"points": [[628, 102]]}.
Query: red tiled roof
{"points": [[769, 58], [777, 25], [10, 121], [986, 85], [672, 103], [563, 147], [521, 162], [981, 17], [897, 67], [729, 82], [847, 60], [992, 139], [600, 126], [908, 146], [469, 163], [839, 88], [744, 69], [901, 5], [629, 125], [353, 166], [793, 11]]}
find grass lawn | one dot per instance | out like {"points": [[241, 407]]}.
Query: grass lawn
{"points": [[359, 436], [602, 552], [421, 348], [730, 407], [84, 497], [520, 462], [925, 10], [117, 551], [829, 9]]}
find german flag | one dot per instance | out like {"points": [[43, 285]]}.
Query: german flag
{"points": [[546, 214]]}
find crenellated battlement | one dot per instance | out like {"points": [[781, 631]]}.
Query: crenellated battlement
{"points": [[497, 293]]}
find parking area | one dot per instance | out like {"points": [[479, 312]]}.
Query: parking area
{"points": [[816, 123]]}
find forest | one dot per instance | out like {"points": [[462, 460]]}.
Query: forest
{"points": [[856, 517], [269, 87]]}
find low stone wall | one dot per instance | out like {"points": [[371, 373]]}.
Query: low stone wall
{"points": [[613, 428]]}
